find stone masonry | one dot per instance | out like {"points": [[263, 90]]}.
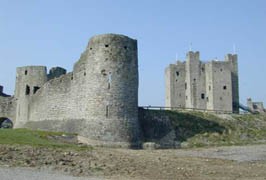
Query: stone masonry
{"points": [[98, 100], [204, 86]]}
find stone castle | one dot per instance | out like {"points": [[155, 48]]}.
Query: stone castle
{"points": [[98, 100], [194, 84]]}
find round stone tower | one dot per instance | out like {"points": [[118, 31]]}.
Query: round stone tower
{"points": [[112, 89], [28, 80]]}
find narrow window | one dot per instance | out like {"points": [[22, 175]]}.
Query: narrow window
{"points": [[224, 87], [35, 89], [202, 96], [186, 97], [210, 88], [185, 85], [221, 70], [202, 69], [194, 80], [207, 99], [84, 73], [26, 72], [107, 111], [109, 80], [177, 73], [106, 45], [27, 90], [103, 72]]}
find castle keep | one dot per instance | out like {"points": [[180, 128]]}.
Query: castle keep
{"points": [[98, 100], [205, 86]]}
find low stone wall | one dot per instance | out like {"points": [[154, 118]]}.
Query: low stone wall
{"points": [[157, 128]]}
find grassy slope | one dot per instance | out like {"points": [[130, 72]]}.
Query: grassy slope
{"points": [[35, 138], [193, 129], [216, 130]]}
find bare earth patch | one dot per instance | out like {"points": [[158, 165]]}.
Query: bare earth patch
{"points": [[235, 162]]}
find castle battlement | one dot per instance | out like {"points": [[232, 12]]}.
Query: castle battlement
{"points": [[211, 85]]}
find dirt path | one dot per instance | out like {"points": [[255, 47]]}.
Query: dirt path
{"points": [[35, 174], [226, 163], [236, 153]]}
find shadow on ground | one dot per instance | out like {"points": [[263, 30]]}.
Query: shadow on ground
{"points": [[161, 125]]}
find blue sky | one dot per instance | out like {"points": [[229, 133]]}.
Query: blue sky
{"points": [[56, 32]]}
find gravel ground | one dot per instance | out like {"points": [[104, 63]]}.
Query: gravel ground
{"points": [[217, 163], [35, 174], [236, 153]]}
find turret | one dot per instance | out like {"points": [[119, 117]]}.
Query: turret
{"points": [[111, 87], [193, 56], [192, 79], [56, 72], [28, 81], [233, 62]]}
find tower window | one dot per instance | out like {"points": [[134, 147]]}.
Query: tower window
{"points": [[194, 80], [210, 88], [186, 97], [177, 73], [224, 87], [107, 111], [185, 85], [27, 90], [106, 45], [202, 96], [26, 72], [109, 80], [35, 89]]}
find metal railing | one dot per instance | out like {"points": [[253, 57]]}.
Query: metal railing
{"points": [[187, 109]]}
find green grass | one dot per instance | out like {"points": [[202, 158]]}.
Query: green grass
{"points": [[236, 130], [198, 129], [36, 138]]}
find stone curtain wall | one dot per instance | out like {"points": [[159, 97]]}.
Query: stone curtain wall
{"points": [[8, 108], [99, 99]]}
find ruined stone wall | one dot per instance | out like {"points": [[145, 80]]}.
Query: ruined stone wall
{"points": [[8, 108], [255, 107], [28, 80], [99, 99], [157, 127], [56, 72]]}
